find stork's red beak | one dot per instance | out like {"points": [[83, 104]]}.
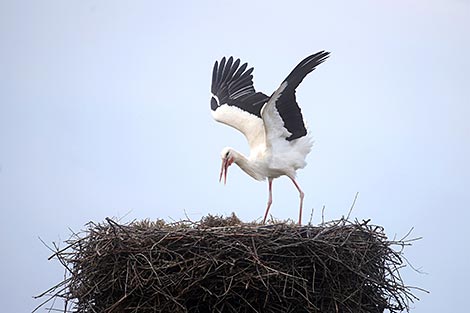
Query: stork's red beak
{"points": [[224, 169]]}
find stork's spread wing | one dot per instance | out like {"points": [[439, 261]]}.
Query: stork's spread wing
{"points": [[282, 114], [234, 99]]}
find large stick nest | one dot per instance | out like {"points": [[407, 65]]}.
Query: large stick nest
{"points": [[222, 265]]}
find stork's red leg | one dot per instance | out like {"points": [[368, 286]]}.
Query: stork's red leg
{"points": [[270, 198], [301, 194]]}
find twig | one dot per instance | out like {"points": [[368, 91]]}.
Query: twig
{"points": [[352, 205]]}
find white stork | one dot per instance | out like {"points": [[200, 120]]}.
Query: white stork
{"points": [[273, 126]]}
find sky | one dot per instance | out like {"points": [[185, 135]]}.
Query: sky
{"points": [[105, 112]]}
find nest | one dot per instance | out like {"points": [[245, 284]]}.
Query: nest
{"points": [[222, 265]]}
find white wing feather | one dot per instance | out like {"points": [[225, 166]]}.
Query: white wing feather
{"points": [[274, 126], [284, 154], [250, 125]]}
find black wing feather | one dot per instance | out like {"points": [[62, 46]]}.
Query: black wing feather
{"points": [[221, 69], [286, 104], [232, 84], [228, 66], [239, 72]]}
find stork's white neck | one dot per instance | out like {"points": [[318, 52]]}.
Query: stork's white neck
{"points": [[251, 167]]}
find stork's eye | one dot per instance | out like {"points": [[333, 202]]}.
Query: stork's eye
{"points": [[226, 154]]}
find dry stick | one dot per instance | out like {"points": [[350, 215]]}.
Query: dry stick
{"points": [[352, 205], [311, 217], [51, 297], [58, 252], [46, 245]]}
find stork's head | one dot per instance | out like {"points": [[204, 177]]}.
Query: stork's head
{"points": [[228, 157]]}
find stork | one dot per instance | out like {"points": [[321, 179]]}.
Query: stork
{"points": [[273, 125]]}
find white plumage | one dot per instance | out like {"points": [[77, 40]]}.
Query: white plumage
{"points": [[273, 126]]}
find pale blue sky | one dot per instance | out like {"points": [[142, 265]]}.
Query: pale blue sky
{"points": [[104, 111]]}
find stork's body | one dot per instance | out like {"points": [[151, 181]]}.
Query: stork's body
{"points": [[273, 126]]}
